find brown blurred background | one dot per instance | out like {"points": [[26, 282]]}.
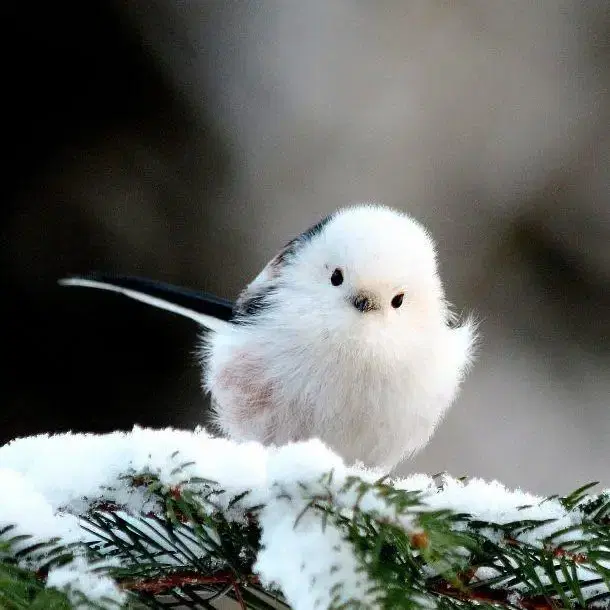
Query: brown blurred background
{"points": [[187, 141]]}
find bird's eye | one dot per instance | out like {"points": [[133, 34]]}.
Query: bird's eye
{"points": [[397, 300], [336, 279]]}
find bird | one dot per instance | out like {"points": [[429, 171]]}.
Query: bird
{"points": [[345, 335]]}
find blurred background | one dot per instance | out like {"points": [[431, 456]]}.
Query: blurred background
{"points": [[187, 141]]}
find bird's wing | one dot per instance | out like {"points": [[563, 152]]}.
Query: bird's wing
{"points": [[256, 296], [205, 309]]}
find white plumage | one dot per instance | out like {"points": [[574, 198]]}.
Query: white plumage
{"points": [[345, 335], [372, 384]]}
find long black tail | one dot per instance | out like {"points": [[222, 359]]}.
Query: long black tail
{"points": [[206, 309]]}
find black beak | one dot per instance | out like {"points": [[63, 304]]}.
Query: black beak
{"points": [[365, 302]]}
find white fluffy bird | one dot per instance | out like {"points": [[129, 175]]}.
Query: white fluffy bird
{"points": [[345, 335]]}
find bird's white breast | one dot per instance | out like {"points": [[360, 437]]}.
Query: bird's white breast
{"points": [[361, 398]]}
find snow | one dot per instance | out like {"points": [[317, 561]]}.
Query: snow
{"points": [[48, 481], [78, 577], [27, 508], [308, 562]]}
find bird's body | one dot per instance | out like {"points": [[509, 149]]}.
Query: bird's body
{"points": [[368, 403], [345, 335]]}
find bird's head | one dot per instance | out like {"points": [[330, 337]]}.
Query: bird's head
{"points": [[364, 269]]}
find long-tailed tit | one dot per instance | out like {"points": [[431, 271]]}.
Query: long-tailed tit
{"points": [[345, 335]]}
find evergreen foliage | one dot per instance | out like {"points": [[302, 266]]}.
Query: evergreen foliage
{"points": [[200, 546]]}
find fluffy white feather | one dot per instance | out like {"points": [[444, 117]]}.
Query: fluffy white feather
{"points": [[303, 361]]}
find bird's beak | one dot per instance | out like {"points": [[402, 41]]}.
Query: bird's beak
{"points": [[365, 301]]}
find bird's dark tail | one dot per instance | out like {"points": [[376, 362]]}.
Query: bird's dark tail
{"points": [[205, 309]]}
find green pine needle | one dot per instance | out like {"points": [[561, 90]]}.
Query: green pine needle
{"points": [[192, 553]]}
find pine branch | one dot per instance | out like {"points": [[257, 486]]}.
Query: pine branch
{"points": [[439, 556], [342, 538], [190, 546], [22, 587]]}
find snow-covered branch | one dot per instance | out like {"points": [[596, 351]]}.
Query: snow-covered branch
{"points": [[163, 509]]}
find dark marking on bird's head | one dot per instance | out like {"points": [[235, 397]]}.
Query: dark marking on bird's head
{"points": [[249, 306], [294, 245]]}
